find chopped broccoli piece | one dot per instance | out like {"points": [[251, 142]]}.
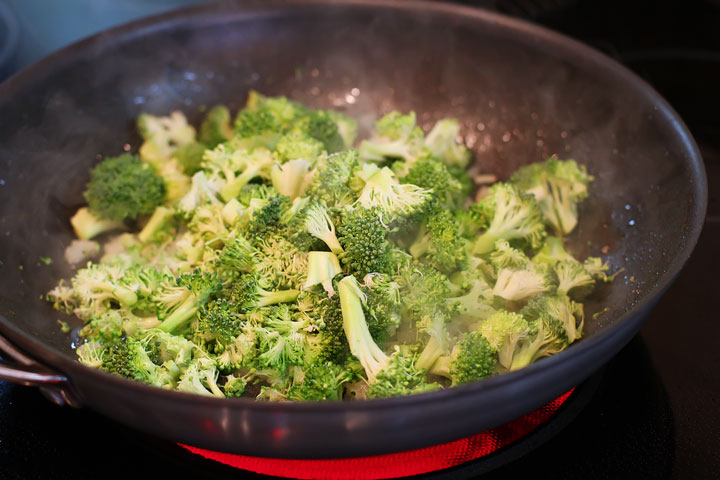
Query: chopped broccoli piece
{"points": [[471, 359], [558, 187], [123, 188], [511, 215], [215, 128], [442, 143]]}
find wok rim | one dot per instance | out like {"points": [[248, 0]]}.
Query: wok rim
{"points": [[569, 49]]}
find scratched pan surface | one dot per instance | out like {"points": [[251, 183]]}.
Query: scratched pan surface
{"points": [[521, 93]]}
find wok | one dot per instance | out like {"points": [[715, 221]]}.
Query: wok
{"points": [[521, 93]]}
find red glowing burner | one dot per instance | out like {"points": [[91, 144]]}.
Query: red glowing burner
{"points": [[394, 465]]}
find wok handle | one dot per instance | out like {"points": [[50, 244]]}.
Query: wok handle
{"points": [[25, 371]]}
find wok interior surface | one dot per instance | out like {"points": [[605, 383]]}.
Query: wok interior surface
{"points": [[520, 93]]}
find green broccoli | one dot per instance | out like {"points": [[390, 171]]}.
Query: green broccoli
{"points": [[87, 226], [248, 294], [471, 359], [442, 141], [123, 187], [558, 187], [363, 237], [330, 184], [400, 376], [439, 243], [396, 200], [510, 215], [397, 137], [178, 301], [215, 128], [447, 191]]}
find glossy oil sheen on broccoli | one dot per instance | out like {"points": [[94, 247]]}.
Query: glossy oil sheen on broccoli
{"points": [[261, 255]]}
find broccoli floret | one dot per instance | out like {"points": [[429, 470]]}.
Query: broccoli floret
{"points": [[202, 191], [252, 165], [552, 251], [236, 257], [400, 377], [383, 306], [217, 325], [320, 380], [471, 359], [333, 343], [439, 243], [234, 386], [265, 119], [513, 216], [597, 268], [163, 135], [208, 223], [87, 226], [241, 352], [215, 128], [347, 127], [362, 235], [504, 331], [267, 219], [560, 308], [201, 377], [190, 157], [319, 225], [123, 187], [504, 256], [322, 268], [248, 294], [424, 291], [550, 330], [476, 303], [292, 178], [330, 184], [397, 137], [442, 143], [396, 200], [447, 191], [280, 263], [281, 339], [298, 145], [128, 359], [321, 126], [558, 186], [91, 354], [522, 283], [179, 301], [573, 279], [100, 283]]}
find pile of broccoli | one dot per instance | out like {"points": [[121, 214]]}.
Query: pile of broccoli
{"points": [[265, 256]]}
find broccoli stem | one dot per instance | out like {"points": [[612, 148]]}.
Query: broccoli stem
{"points": [[232, 189], [432, 351], [420, 247], [87, 225], [484, 244], [156, 222], [333, 243], [281, 296], [362, 345], [442, 366], [181, 315]]}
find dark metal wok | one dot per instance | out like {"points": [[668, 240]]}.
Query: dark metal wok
{"points": [[522, 93]]}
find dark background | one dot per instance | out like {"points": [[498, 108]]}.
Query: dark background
{"points": [[656, 412]]}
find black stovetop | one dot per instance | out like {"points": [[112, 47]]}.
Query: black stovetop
{"points": [[656, 411]]}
